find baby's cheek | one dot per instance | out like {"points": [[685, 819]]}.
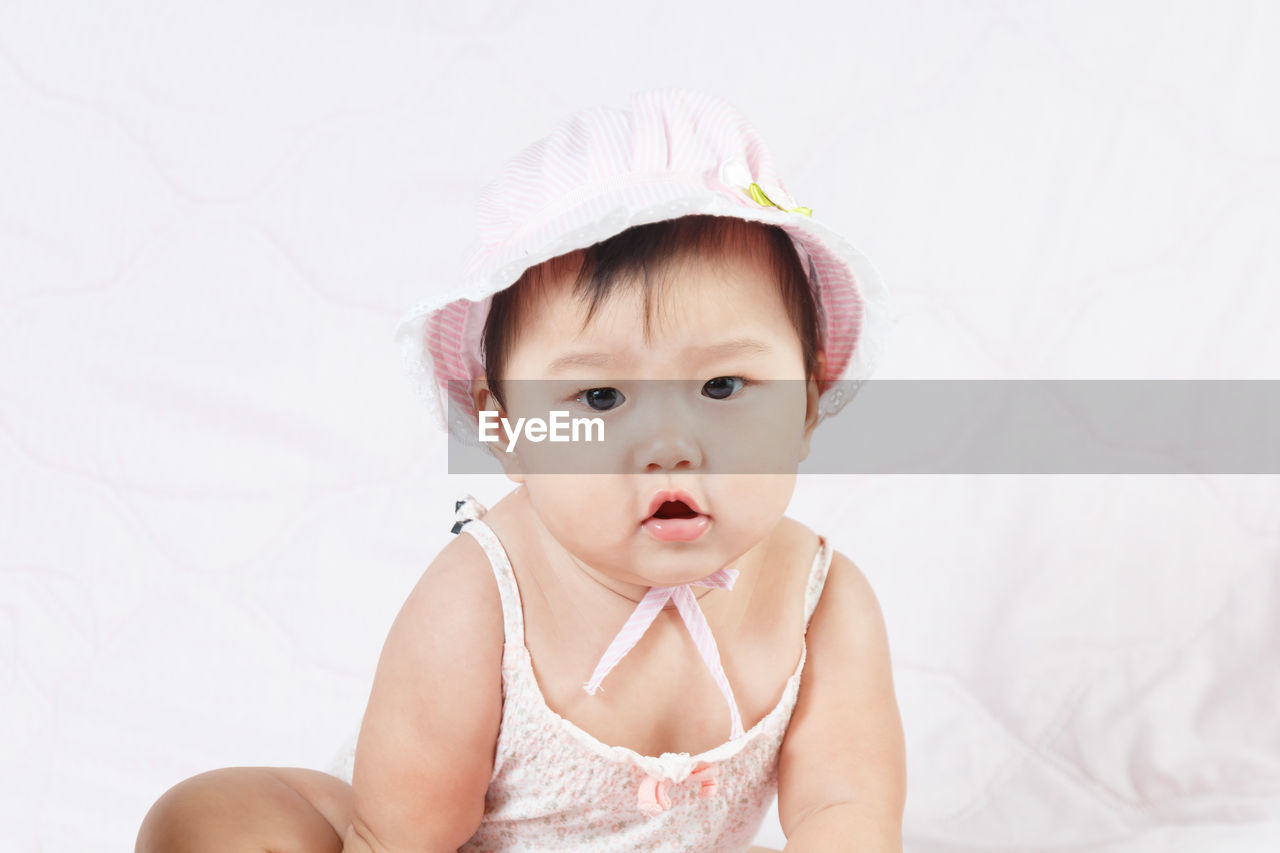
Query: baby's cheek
{"points": [[768, 496], [579, 506]]}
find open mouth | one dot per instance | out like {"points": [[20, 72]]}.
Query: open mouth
{"points": [[674, 509], [675, 517]]}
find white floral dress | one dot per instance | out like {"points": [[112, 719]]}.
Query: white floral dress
{"points": [[557, 788]]}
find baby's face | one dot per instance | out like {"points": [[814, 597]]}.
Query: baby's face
{"points": [[714, 405]]}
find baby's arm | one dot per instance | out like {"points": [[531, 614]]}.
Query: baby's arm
{"points": [[425, 753], [842, 777]]}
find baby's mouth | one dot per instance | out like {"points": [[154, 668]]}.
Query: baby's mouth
{"points": [[673, 520], [674, 509]]}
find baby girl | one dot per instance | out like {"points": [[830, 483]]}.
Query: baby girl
{"points": [[635, 649]]}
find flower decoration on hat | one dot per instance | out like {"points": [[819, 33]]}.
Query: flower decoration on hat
{"points": [[735, 173]]}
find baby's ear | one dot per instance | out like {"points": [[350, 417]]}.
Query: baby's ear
{"points": [[483, 398], [814, 389]]}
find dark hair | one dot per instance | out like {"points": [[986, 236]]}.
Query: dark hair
{"points": [[643, 249]]}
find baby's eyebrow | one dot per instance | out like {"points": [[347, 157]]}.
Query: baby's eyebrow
{"points": [[735, 346]]}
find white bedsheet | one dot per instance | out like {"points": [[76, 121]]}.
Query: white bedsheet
{"points": [[216, 487]]}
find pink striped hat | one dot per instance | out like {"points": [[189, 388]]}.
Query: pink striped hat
{"points": [[669, 153]]}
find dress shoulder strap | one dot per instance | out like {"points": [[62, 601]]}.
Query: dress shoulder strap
{"points": [[468, 515], [817, 578]]}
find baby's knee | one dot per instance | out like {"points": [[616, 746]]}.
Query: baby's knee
{"points": [[234, 809], [187, 817]]}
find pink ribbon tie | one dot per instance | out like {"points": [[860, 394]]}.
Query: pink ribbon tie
{"points": [[653, 795], [706, 775], [687, 605], [652, 798]]}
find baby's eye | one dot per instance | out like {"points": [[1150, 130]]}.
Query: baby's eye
{"points": [[723, 387], [601, 399]]}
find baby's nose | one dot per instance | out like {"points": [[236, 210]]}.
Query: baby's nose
{"points": [[671, 454]]}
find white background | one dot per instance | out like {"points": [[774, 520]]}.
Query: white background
{"points": [[216, 486]]}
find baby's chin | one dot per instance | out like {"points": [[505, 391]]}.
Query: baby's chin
{"points": [[650, 575], [653, 563]]}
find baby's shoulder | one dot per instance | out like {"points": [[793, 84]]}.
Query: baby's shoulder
{"points": [[458, 593], [814, 557]]}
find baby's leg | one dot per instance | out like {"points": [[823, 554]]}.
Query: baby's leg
{"points": [[282, 809]]}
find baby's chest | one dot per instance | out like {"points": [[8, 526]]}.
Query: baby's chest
{"points": [[661, 697]]}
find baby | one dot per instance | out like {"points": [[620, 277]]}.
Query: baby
{"points": [[635, 649]]}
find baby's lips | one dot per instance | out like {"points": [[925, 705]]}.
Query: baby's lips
{"points": [[673, 495]]}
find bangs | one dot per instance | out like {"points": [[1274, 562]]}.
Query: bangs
{"points": [[648, 256]]}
